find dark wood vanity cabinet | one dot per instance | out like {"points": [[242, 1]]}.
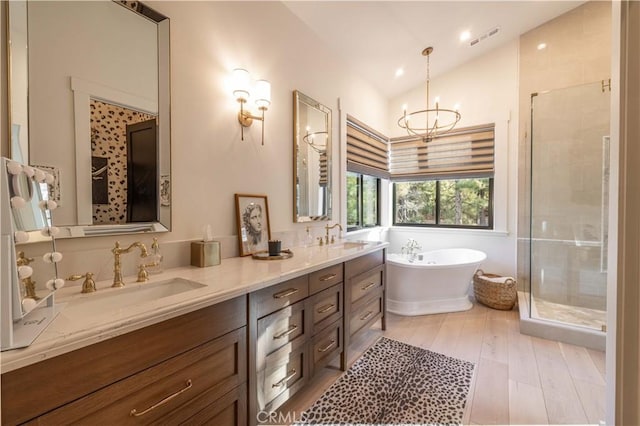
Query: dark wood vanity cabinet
{"points": [[365, 298], [191, 369], [295, 327], [219, 365]]}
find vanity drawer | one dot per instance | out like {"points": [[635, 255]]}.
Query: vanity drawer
{"points": [[231, 409], [278, 296], [283, 375], [325, 278], [366, 283], [326, 344], [326, 307], [367, 314], [281, 328], [178, 388], [363, 263]]}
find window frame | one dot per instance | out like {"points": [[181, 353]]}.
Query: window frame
{"points": [[360, 202], [437, 223]]}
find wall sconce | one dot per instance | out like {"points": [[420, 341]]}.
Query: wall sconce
{"points": [[242, 91]]}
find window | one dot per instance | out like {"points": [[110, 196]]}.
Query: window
{"points": [[464, 203], [446, 181], [363, 205], [367, 163]]}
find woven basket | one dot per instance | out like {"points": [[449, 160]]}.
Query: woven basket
{"points": [[495, 295]]}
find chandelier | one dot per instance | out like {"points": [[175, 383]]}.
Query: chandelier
{"points": [[312, 138], [430, 122]]}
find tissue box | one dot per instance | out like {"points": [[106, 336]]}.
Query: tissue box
{"points": [[205, 253]]}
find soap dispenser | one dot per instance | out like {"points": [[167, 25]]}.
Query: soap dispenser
{"points": [[309, 238], [155, 259]]}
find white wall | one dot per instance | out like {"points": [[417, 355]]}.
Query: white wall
{"points": [[209, 161], [487, 91]]}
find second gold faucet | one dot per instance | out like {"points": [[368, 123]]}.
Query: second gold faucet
{"points": [[117, 265], [328, 228]]}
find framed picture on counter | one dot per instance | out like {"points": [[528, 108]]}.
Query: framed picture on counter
{"points": [[252, 217]]}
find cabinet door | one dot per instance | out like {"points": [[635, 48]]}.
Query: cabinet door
{"points": [[178, 388]]}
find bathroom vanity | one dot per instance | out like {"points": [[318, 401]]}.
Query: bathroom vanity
{"points": [[244, 337]]}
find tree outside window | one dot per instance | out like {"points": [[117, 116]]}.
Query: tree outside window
{"points": [[447, 203], [363, 201]]}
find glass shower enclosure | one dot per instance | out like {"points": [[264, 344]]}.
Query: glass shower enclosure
{"points": [[567, 166]]}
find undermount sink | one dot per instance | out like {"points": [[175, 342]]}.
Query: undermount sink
{"points": [[349, 245], [111, 299]]}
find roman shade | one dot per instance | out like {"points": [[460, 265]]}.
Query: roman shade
{"points": [[466, 152], [367, 150], [324, 173]]}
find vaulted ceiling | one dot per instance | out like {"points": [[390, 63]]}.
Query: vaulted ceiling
{"points": [[379, 37]]}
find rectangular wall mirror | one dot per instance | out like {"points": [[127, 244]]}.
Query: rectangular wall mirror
{"points": [[311, 159], [90, 101]]}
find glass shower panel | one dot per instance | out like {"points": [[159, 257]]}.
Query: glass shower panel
{"points": [[569, 203]]}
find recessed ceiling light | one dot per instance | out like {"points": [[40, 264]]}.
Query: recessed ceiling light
{"points": [[465, 35], [542, 46], [399, 72]]}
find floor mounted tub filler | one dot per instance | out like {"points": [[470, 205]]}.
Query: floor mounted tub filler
{"points": [[431, 282]]}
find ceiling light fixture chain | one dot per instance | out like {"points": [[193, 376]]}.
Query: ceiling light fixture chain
{"points": [[436, 127]]}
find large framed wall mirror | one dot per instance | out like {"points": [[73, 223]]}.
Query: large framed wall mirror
{"points": [[311, 159], [90, 101]]}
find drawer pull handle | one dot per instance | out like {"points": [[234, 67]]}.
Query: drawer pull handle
{"points": [[135, 413], [367, 287], [328, 277], [325, 308], [366, 316], [285, 380], [290, 330], [285, 293], [329, 346]]}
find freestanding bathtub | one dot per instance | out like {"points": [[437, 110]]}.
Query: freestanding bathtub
{"points": [[434, 282]]}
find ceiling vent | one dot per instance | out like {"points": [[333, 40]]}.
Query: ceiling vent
{"points": [[492, 32]]}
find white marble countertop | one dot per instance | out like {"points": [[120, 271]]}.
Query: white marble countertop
{"points": [[86, 319]]}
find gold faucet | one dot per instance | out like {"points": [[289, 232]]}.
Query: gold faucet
{"points": [[89, 285], [328, 228], [117, 266], [29, 284], [143, 274]]}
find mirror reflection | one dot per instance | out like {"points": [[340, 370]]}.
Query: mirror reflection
{"points": [[312, 159], [97, 111], [27, 214]]}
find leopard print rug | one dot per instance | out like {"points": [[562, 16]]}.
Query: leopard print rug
{"points": [[396, 383]]}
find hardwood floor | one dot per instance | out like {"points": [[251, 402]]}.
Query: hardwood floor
{"points": [[518, 379]]}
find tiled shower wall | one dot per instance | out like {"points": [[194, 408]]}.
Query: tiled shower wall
{"points": [[577, 52]]}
